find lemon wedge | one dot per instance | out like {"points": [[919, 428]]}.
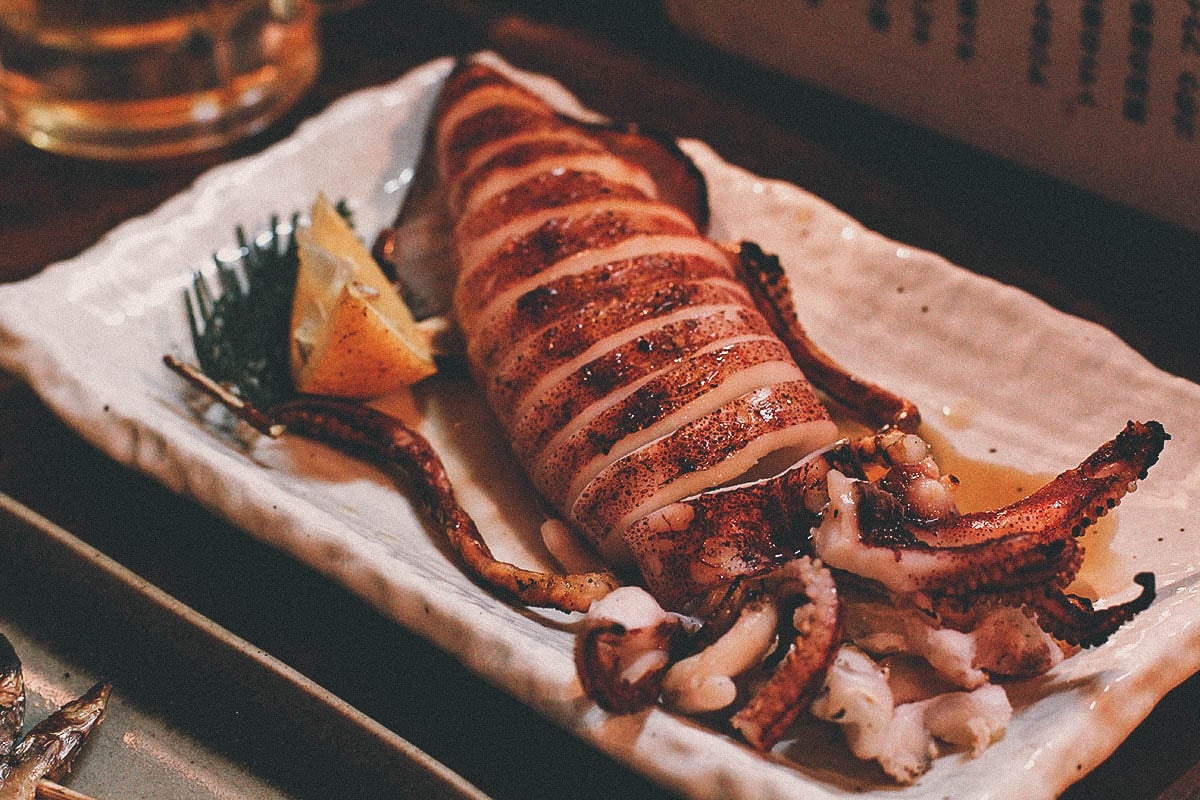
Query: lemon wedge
{"points": [[351, 334]]}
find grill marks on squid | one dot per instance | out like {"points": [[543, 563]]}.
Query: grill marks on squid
{"points": [[602, 210], [572, 402], [486, 110], [507, 162], [526, 288], [557, 241], [709, 451], [616, 345], [550, 188], [514, 152], [524, 313], [557, 351], [505, 187], [658, 406]]}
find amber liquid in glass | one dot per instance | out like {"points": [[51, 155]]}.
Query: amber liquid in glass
{"points": [[140, 79]]}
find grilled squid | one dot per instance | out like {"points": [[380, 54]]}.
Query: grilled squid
{"points": [[660, 393]]}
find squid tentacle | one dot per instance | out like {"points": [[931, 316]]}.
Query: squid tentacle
{"points": [[1031, 542], [384, 438], [556, 373], [772, 293], [799, 676], [1069, 503], [625, 648], [1067, 617], [1010, 561], [1074, 620], [702, 543]]}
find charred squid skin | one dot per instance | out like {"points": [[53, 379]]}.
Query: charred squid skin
{"points": [[1028, 543], [629, 422], [522, 150], [765, 718], [710, 450], [477, 252], [696, 546], [1067, 617], [625, 647], [384, 439], [489, 125], [657, 152], [772, 292], [530, 366], [554, 241], [617, 372], [679, 179], [607, 286], [543, 192], [680, 182], [1023, 555], [700, 544], [597, 656], [460, 134], [1075, 621], [1071, 502], [909, 564], [486, 297]]}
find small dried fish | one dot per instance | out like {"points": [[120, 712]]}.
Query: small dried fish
{"points": [[12, 700], [48, 750]]}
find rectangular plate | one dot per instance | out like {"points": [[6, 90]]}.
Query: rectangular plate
{"points": [[1020, 385], [196, 713]]}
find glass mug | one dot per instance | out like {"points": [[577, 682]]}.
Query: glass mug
{"points": [[144, 79]]}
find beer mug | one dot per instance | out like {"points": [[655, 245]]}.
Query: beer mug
{"points": [[145, 79]]}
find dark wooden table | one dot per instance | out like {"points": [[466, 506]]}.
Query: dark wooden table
{"points": [[1139, 277]]}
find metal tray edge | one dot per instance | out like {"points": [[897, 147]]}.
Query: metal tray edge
{"points": [[22, 521]]}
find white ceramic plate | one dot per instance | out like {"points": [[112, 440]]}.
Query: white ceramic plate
{"points": [[1023, 385]]}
